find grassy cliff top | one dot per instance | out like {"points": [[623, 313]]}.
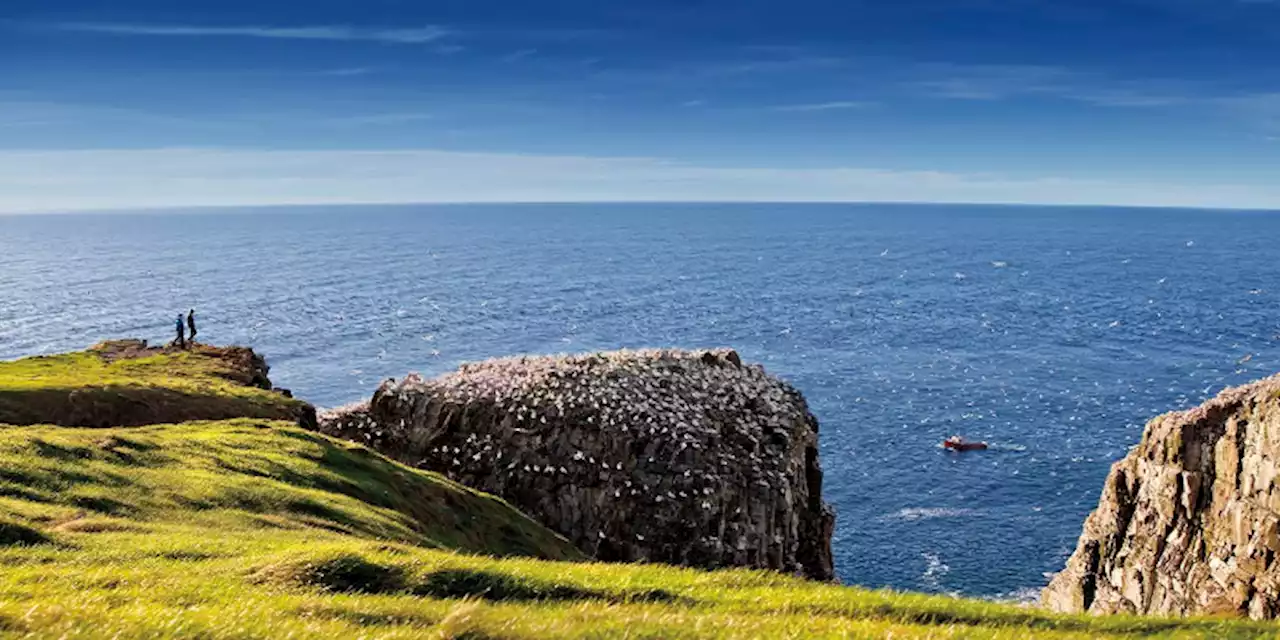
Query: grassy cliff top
{"points": [[125, 383], [248, 528]]}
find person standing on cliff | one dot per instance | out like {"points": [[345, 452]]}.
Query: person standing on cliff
{"points": [[191, 325], [182, 340]]}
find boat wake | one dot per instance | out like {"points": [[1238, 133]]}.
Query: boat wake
{"points": [[912, 514]]}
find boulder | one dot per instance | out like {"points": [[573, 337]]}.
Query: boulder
{"points": [[678, 457], [1189, 521]]}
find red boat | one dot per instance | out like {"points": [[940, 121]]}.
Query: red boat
{"points": [[956, 443]]}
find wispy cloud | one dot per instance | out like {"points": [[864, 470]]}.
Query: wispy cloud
{"points": [[125, 178], [515, 56], [346, 72], [379, 119], [43, 112], [1262, 109], [772, 65], [999, 82], [1125, 97], [420, 35], [822, 106], [723, 69]]}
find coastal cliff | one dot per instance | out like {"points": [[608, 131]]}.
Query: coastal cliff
{"points": [[255, 528], [1189, 521], [122, 383], [679, 457]]}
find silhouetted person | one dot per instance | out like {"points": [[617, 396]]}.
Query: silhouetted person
{"points": [[182, 339], [191, 325]]}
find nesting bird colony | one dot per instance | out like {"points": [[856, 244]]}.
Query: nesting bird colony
{"points": [[684, 457]]}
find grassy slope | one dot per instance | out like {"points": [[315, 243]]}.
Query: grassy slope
{"points": [[85, 389], [250, 529]]}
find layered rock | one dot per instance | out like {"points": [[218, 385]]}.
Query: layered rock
{"points": [[1189, 521], [679, 457]]}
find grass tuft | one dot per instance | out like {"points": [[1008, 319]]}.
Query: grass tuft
{"points": [[336, 573]]}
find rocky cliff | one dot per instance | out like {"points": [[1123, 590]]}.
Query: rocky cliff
{"points": [[689, 458], [1189, 521]]}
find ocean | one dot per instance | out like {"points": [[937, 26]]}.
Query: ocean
{"points": [[1052, 333]]}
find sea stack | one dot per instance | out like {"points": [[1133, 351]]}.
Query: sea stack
{"points": [[1189, 521], [680, 457]]}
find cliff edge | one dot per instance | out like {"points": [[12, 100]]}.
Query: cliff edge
{"points": [[1189, 521], [127, 383], [680, 457]]}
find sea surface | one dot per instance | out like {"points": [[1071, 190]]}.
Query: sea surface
{"points": [[1052, 333]]}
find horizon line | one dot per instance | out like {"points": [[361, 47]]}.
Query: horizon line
{"points": [[243, 208]]}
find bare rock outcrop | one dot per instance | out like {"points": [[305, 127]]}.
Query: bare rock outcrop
{"points": [[1189, 521], [679, 457]]}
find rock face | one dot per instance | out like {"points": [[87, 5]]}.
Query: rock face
{"points": [[679, 457], [1189, 521]]}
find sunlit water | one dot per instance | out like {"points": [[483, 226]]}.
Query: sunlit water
{"points": [[1051, 333]]}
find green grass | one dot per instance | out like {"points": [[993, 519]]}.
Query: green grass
{"points": [[248, 474], [252, 529], [86, 389]]}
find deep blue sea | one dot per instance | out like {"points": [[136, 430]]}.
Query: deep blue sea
{"points": [[1053, 333]]}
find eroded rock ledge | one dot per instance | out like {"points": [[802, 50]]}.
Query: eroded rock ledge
{"points": [[1189, 521], [680, 457]]}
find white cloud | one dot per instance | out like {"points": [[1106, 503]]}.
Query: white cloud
{"points": [[822, 106], [419, 35], [378, 119], [62, 113], [181, 177], [986, 82], [15, 113], [1261, 109], [345, 72], [998, 82], [515, 56]]}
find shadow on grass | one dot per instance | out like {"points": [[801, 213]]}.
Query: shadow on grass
{"points": [[13, 534], [343, 573], [1030, 619], [133, 406], [61, 452], [352, 573], [498, 587], [103, 504], [437, 512]]}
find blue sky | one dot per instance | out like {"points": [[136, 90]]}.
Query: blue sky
{"points": [[157, 103]]}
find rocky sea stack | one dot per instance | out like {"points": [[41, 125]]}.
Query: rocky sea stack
{"points": [[680, 457], [1189, 521]]}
